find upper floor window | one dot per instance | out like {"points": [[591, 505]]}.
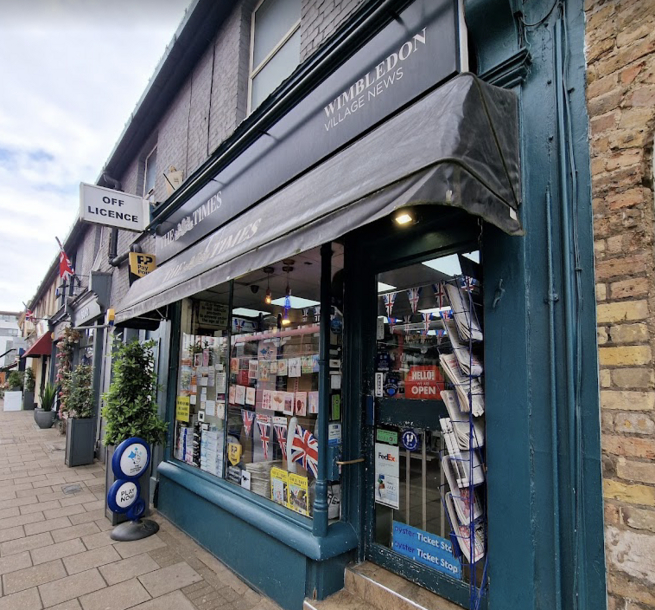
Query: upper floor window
{"points": [[274, 46], [150, 172]]}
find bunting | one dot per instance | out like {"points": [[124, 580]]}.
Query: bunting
{"points": [[414, 294], [264, 423], [389, 299], [280, 426], [426, 322], [248, 418], [439, 294]]}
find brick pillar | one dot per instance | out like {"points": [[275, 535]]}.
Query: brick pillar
{"points": [[620, 40]]}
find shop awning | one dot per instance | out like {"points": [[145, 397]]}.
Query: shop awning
{"points": [[456, 146], [42, 347]]}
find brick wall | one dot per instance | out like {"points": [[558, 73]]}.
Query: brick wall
{"points": [[620, 42], [319, 20]]}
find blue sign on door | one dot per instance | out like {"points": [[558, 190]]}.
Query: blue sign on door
{"points": [[429, 549]]}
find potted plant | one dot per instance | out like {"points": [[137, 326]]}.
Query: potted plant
{"points": [[78, 410], [65, 350], [28, 392], [44, 416], [15, 381], [131, 408]]}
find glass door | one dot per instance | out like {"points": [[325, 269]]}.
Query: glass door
{"points": [[425, 426]]}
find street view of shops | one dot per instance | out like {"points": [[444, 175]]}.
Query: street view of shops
{"points": [[327, 305]]}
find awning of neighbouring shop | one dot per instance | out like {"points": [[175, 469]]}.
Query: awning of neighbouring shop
{"points": [[42, 347], [456, 146]]}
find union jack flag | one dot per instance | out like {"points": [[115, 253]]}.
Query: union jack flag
{"points": [[66, 270], [426, 321], [439, 294], [281, 434], [468, 284], [264, 423], [248, 418], [304, 449], [414, 294], [389, 299]]}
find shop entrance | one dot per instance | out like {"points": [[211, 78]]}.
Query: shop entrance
{"points": [[418, 520]]}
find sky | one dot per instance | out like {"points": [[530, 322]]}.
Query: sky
{"points": [[71, 74]]}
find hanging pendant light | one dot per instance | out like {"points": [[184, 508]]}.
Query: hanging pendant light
{"points": [[269, 297], [288, 267]]}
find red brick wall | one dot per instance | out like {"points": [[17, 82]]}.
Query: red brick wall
{"points": [[620, 40]]}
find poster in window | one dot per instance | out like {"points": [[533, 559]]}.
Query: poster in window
{"points": [[298, 494], [240, 395], [387, 471], [295, 367], [212, 315], [312, 403], [288, 403], [279, 485], [282, 367], [251, 396], [301, 404]]}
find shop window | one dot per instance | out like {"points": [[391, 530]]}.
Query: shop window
{"points": [[248, 382], [150, 172], [275, 46], [430, 482]]}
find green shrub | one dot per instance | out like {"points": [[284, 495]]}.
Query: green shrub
{"points": [[79, 399], [130, 403], [29, 380], [48, 394], [15, 380]]}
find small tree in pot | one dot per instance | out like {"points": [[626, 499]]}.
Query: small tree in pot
{"points": [[130, 404], [28, 391], [44, 416], [78, 408], [15, 381]]}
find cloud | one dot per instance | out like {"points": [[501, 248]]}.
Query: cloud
{"points": [[72, 73]]}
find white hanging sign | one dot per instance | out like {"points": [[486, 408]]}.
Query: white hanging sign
{"points": [[105, 206]]}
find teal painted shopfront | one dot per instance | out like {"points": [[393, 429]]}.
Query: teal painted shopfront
{"points": [[378, 314]]}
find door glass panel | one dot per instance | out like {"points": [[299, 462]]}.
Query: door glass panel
{"points": [[429, 422]]}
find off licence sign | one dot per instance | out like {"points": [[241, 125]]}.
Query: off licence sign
{"points": [[424, 382]]}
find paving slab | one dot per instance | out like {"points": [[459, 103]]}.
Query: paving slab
{"points": [[32, 577], [55, 549], [117, 597]]}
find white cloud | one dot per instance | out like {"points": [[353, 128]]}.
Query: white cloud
{"points": [[72, 73]]}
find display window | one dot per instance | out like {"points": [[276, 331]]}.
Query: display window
{"points": [[249, 372]]}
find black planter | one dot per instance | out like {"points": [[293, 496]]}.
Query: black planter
{"points": [[80, 441], [28, 401], [44, 419], [144, 484]]}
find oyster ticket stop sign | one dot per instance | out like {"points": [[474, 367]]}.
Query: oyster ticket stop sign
{"points": [[130, 461]]}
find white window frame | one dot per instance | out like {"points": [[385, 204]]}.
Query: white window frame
{"points": [[255, 70], [145, 170]]}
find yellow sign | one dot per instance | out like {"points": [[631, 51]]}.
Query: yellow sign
{"points": [[182, 406], [142, 264], [234, 451]]}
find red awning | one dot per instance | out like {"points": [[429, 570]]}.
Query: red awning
{"points": [[42, 347]]}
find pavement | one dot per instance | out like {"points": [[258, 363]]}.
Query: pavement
{"points": [[55, 549]]}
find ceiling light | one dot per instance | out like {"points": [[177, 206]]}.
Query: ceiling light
{"points": [[296, 302], [403, 217], [382, 287], [250, 313], [268, 297]]}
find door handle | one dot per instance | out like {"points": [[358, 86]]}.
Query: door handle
{"points": [[347, 462]]}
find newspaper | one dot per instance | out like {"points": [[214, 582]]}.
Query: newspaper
{"points": [[469, 389], [467, 466], [469, 432], [468, 362], [467, 325]]}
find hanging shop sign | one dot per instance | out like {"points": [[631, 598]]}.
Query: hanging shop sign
{"points": [[140, 265], [426, 548], [424, 383], [418, 50], [111, 208]]}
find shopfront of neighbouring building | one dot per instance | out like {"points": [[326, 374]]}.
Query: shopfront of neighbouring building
{"points": [[376, 328]]}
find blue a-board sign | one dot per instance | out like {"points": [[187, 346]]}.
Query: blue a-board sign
{"points": [[130, 460], [425, 548]]}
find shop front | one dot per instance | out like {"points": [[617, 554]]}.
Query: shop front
{"points": [[351, 361]]}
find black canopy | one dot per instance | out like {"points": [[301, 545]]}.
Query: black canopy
{"points": [[456, 146]]}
